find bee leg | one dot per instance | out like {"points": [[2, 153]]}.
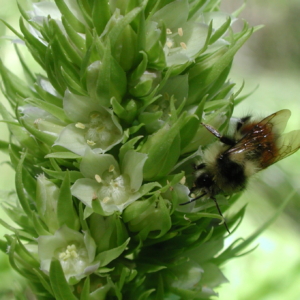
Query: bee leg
{"points": [[194, 199], [224, 139], [220, 213], [199, 167]]}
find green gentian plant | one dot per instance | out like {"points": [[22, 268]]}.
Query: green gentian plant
{"points": [[103, 141]]}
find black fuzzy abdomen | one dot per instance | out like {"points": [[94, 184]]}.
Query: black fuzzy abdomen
{"points": [[231, 174]]}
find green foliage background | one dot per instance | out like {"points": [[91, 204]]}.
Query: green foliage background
{"points": [[270, 59]]}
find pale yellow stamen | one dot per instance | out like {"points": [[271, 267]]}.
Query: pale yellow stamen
{"points": [[80, 125], [183, 45], [180, 31], [37, 121], [168, 30], [183, 180], [169, 44], [111, 168], [90, 143], [98, 178], [105, 199], [94, 115], [71, 252]]}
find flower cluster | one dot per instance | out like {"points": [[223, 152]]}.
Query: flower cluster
{"points": [[104, 140]]}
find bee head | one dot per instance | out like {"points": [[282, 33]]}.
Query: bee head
{"points": [[204, 180]]}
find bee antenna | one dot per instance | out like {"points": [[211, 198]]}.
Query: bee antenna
{"points": [[194, 199], [220, 213]]}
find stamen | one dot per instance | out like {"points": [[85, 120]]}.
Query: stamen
{"points": [[105, 199], [169, 44], [183, 180], [98, 178], [183, 45], [80, 125], [90, 143], [180, 31]]}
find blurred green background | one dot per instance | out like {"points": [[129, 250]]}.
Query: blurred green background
{"points": [[269, 64]]}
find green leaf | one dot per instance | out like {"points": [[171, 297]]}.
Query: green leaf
{"points": [[13, 30], [163, 149], [85, 293], [24, 201], [73, 35], [226, 59], [100, 7], [106, 257], [220, 31], [60, 287], [74, 175], [77, 25], [38, 46], [66, 213], [50, 108], [39, 227], [235, 251], [48, 97], [120, 26], [63, 155]]}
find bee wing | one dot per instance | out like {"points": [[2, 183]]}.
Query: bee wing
{"points": [[264, 142], [274, 123], [278, 120], [287, 144]]}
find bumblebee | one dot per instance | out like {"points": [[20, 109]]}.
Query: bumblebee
{"points": [[232, 160]]}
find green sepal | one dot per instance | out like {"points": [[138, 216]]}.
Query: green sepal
{"points": [[128, 146], [128, 113], [125, 49], [145, 84], [23, 199], [140, 69], [37, 47], [15, 88], [147, 217], [66, 213], [100, 7], [39, 226], [74, 175], [28, 169], [85, 292], [64, 44], [48, 97], [220, 31], [59, 284], [106, 257], [72, 83], [50, 108], [63, 155], [30, 77], [226, 59], [105, 78], [73, 35], [12, 30], [51, 62], [118, 28], [225, 91], [77, 25], [107, 232], [43, 137], [22, 136], [163, 149]]}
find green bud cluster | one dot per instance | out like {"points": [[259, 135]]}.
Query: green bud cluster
{"points": [[104, 140]]}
